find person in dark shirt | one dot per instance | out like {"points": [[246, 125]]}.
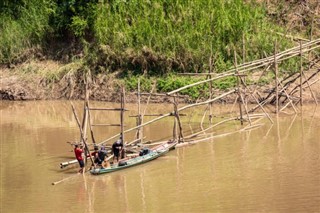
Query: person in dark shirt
{"points": [[117, 149], [94, 154], [102, 154]]}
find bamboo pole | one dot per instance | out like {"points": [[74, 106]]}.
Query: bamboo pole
{"points": [[122, 120], [64, 179], [199, 82], [286, 54], [243, 48], [106, 125], [245, 108], [178, 120], [90, 124], [238, 86], [290, 100], [160, 114], [301, 70], [204, 115], [145, 109], [82, 134], [276, 76], [109, 109], [161, 94], [175, 127], [309, 86], [168, 114], [210, 88], [139, 111]]}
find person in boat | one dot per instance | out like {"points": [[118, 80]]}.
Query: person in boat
{"points": [[101, 158], [78, 151], [117, 148], [94, 154]]}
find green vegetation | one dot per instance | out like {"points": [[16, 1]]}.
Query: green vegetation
{"points": [[149, 38]]}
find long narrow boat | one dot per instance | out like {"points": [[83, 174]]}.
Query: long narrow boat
{"points": [[170, 144], [153, 153]]}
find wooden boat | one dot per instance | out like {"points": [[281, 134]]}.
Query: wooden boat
{"points": [[152, 154], [170, 145]]}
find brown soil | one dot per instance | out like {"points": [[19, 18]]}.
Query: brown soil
{"points": [[29, 81]]}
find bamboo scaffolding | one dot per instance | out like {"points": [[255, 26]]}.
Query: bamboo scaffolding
{"points": [[237, 71], [291, 52], [168, 114]]}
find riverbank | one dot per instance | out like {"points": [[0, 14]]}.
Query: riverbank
{"points": [[30, 81]]}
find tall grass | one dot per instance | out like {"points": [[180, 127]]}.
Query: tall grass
{"points": [[187, 30], [160, 36], [23, 28]]}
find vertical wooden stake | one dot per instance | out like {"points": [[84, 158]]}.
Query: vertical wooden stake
{"points": [[89, 119], [301, 70], [243, 48], [177, 118], [122, 119], [85, 120], [238, 86], [210, 89], [276, 76], [139, 136]]}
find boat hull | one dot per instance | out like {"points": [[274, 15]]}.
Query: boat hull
{"points": [[154, 154]]}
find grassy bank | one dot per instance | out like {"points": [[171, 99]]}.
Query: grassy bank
{"points": [[155, 39]]}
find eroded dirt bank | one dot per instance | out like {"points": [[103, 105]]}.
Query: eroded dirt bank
{"points": [[30, 81]]}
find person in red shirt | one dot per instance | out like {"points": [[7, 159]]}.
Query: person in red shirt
{"points": [[78, 152]]}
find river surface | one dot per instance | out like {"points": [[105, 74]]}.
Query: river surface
{"points": [[273, 168]]}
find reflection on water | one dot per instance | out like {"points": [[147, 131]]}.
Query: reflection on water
{"points": [[274, 168]]}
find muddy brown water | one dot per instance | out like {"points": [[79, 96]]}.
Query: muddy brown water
{"points": [[274, 168]]}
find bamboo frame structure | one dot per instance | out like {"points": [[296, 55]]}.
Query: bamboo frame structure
{"points": [[242, 92]]}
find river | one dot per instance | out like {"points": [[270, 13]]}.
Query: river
{"points": [[273, 168]]}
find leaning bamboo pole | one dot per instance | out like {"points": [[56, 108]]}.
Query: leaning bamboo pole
{"points": [[311, 91], [82, 133], [287, 95]]}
